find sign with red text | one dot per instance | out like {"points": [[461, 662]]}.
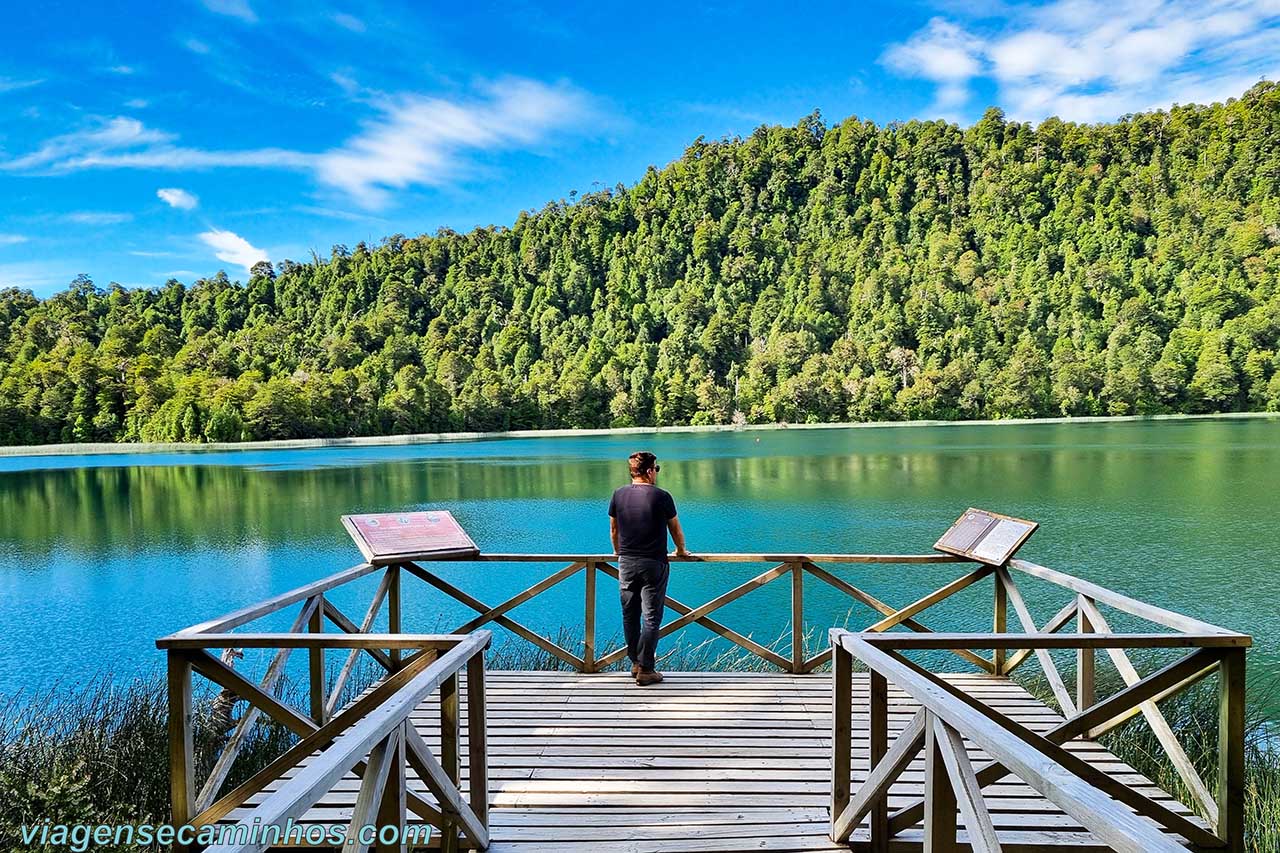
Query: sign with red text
{"points": [[392, 537], [987, 537]]}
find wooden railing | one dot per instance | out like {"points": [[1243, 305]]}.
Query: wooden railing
{"points": [[372, 735], [415, 664], [794, 568], [1119, 815], [401, 655]]}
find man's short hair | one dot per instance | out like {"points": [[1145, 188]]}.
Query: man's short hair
{"points": [[642, 462]]}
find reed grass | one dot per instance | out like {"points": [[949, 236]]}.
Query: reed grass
{"points": [[1193, 716], [96, 754]]}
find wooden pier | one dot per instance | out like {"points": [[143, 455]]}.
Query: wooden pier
{"points": [[859, 746]]}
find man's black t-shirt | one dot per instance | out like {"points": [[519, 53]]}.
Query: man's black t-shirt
{"points": [[642, 512]]}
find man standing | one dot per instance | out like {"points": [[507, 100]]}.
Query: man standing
{"points": [[639, 517]]}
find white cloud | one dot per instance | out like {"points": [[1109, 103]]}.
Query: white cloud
{"points": [[58, 152], [417, 140], [414, 140], [232, 248], [174, 197], [127, 143], [348, 22], [1089, 60], [137, 103], [97, 217], [196, 46], [941, 52], [123, 70], [345, 82], [1026, 55], [233, 8], [9, 84], [332, 213], [12, 239]]}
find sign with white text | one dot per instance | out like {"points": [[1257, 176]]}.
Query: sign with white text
{"points": [[391, 537], [987, 537]]}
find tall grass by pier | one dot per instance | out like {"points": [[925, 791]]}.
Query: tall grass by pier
{"points": [[1194, 718], [96, 754]]}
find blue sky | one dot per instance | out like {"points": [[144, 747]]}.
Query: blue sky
{"points": [[143, 141]]}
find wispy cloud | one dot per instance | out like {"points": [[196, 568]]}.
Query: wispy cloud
{"points": [[68, 151], [178, 198], [13, 84], [12, 239], [233, 9], [334, 213], [414, 140], [1090, 60], [418, 140], [97, 217], [348, 22], [232, 248], [127, 143], [944, 53], [345, 82]]}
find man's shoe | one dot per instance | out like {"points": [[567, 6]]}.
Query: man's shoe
{"points": [[647, 677], [635, 670]]}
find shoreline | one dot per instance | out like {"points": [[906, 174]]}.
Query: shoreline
{"points": [[117, 449]]}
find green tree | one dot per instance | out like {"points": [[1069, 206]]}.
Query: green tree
{"points": [[805, 273]]}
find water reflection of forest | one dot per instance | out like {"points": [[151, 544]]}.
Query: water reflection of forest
{"points": [[87, 508]]}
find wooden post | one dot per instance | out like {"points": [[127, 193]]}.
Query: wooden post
{"points": [[316, 668], [477, 740], [940, 798], [1231, 718], [449, 737], [797, 617], [1000, 623], [393, 612], [841, 730], [877, 746], [182, 792], [589, 631], [391, 810], [1086, 689]]}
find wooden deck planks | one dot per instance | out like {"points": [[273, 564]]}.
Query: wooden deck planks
{"points": [[706, 762]]}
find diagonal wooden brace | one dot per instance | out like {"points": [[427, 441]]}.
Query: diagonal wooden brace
{"points": [[698, 614], [1174, 677], [706, 622], [886, 610], [507, 622]]}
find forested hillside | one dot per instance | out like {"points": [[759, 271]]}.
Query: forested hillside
{"points": [[809, 273]]}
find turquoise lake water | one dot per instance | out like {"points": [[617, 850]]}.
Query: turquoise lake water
{"points": [[99, 555]]}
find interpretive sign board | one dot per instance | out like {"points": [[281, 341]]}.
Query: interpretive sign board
{"points": [[987, 537], [390, 537]]}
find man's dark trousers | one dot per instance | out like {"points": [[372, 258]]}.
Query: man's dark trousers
{"points": [[642, 582]]}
